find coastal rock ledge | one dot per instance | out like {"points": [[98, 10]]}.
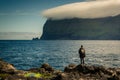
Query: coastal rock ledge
{"points": [[71, 72]]}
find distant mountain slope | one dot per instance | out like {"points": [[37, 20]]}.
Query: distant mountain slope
{"points": [[82, 29]]}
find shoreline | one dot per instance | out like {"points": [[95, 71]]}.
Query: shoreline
{"points": [[71, 72]]}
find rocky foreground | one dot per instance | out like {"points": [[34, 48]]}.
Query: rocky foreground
{"points": [[71, 72]]}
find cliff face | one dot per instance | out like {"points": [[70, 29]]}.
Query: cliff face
{"points": [[82, 29]]}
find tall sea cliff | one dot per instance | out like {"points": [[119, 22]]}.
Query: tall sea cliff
{"points": [[107, 28]]}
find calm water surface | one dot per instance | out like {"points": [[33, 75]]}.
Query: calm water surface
{"points": [[59, 53]]}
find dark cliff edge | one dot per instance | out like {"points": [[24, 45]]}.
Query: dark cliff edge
{"points": [[107, 28], [71, 72]]}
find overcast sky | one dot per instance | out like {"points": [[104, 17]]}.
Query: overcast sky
{"points": [[28, 16], [25, 16]]}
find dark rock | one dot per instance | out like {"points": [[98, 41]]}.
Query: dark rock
{"points": [[32, 78], [85, 72], [43, 69], [35, 38], [15, 77], [6, 67], [115, 77], [34, 70], [86, 69], [70, 68], [61, 76], [47, 67], [118, 71]]}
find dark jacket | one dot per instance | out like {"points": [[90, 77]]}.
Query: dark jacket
{"points": [[82, 52]]}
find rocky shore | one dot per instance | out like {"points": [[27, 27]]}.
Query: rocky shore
{"points": [[71, 72]]}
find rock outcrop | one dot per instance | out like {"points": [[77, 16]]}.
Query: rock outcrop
{"points": [[6, 67], [86, 72], [71, 72], [107, 28]]}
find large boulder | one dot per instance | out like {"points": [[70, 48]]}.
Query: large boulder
{"points": [[70, 68], [6, 67], [47, 67]]}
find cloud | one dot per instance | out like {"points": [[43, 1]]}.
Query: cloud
{"points": [[88, 9]]}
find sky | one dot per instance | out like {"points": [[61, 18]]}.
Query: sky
{"points": [[23, 19]]}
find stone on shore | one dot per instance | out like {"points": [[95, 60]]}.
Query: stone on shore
{"points": [[87, 72], [6, 67], [71, 72]]}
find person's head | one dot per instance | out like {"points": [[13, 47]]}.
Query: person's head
{"points": [[81, 46]]}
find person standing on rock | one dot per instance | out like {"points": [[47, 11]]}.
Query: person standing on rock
{"points": [[82, 54]]}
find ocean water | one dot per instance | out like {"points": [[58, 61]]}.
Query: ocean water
{"points": [[59, 53]]}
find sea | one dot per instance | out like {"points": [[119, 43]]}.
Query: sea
{"points": [[26, 54]]}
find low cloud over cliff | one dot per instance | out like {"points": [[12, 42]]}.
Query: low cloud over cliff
{"points": [[88, 9]]}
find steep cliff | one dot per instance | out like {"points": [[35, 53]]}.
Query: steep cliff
{"points": [[82, 29]]}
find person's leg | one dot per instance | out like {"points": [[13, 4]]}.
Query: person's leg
{"points": [[83, 61]]}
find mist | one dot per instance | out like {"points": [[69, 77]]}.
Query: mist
{"points": [[88, 9]]}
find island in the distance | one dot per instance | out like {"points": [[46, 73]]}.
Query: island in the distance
{"points": [[107, 28], [36, 38]]}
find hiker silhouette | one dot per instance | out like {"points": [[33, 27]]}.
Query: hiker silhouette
{"points": [[82, 54]]}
